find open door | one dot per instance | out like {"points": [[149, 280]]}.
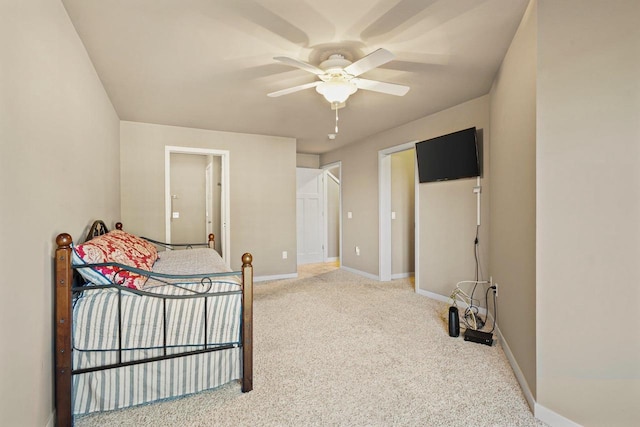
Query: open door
{"points": [[309, 215]]}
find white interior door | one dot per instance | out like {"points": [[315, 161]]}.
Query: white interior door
{"points": [[309, 215]]}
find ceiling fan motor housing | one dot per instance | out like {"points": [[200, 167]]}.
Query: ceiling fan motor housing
{"points": [[335, 65]]}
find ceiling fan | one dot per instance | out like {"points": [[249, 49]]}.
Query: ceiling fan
{"points": [[339, 77]]}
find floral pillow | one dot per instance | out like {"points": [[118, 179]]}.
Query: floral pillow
{"points": [[120, 247]]}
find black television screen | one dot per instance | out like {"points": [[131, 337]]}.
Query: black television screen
{"points": [[448, 157]]}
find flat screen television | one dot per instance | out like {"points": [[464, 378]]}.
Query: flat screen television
{"points": [[448, 157]]}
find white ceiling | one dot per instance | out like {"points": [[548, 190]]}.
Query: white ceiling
{"points": [[209, 63]]}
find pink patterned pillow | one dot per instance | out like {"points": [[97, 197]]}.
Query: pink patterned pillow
{"points": [[115, 246]]}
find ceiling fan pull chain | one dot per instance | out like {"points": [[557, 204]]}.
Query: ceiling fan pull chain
{"points": [[336, 117]]}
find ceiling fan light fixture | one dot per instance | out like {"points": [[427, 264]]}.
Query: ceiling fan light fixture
{"points": [[336, 91]]}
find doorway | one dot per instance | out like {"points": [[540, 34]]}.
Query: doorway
{"points": [[318, 214], [390, 219], [197, 196], [189, 201], [332, 174]]}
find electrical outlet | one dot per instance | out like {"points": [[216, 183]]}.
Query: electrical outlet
{"points": [[284, 254], [496, 290]]}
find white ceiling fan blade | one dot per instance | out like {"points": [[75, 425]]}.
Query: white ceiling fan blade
{"points": [[382, 87], [293, 89], [369, 62], [299, 64]]}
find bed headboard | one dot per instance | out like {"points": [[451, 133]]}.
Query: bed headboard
{"points": [[98, 228]]}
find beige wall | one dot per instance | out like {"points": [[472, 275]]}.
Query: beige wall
{"points": [[307, 160], [447, 209], [189, 188], [513, 196], [588, 210], [359, 186], [263, 189], [403, 204], [59, 170]]}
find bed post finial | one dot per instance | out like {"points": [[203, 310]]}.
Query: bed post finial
{"points": [[64, 240], [118, 226], [212, 241], [247, 259]]}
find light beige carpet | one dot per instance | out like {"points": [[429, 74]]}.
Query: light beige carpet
{"points": [[336, 349]]}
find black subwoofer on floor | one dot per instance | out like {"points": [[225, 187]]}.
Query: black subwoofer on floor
{"points": [[454, 322]]}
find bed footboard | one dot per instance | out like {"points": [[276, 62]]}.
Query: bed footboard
{"points": [[64, 300]]}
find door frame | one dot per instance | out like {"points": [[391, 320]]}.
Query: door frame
{"points": [[208, 197], [384, 222], [325, 172], [225, 217]]}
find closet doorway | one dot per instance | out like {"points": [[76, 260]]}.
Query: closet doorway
{"points": [[398, 213], [332, 174], [197, 196]]}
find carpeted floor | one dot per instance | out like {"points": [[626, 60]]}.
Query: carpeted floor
{"points": [[336, 349]]}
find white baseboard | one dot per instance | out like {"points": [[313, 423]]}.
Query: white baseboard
{"points": [[52, 419], [542, 413], [360, 273], [275, 277], [401, 275], [332, 259], [552, 418], [517, 371]]}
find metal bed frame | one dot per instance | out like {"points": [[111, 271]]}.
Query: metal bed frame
{"points": [[68, 288]]}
